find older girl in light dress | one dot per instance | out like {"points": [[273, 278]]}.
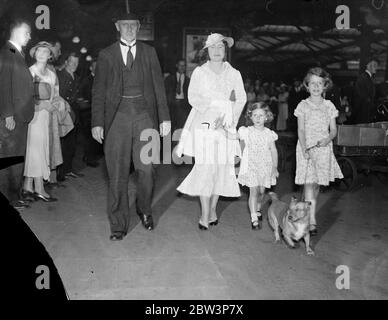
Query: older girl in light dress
{"points": [[315, 161]]}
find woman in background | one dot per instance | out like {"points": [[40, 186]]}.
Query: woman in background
{"points": [[37, 162]]}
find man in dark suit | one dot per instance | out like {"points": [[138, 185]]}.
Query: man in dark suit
{"points": [[91, 146], [16, 110], [128, 98], [69, 85], [364, 109], [177, 85]]}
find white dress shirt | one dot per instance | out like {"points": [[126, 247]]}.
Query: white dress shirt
{"points": [[180, 76], [124, 50]]}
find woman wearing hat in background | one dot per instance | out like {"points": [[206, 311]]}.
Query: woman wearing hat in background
{"points": [[37, 161], [217, 96]]}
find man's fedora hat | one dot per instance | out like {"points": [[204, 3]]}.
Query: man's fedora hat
{"points": [[126, 16], [41, 44], [217, 37]]}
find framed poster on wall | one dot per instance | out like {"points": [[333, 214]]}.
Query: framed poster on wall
{"points": [[147, 27], [194, 40]]}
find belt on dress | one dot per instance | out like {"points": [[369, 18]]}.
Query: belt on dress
{"points": [[132, 97]]}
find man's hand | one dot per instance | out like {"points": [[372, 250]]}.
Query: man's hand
{"points": [[98, 134], [10, 123], [165, 128]]}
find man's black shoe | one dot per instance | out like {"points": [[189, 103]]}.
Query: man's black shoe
{"points": [[147, 221], [116, 236]]}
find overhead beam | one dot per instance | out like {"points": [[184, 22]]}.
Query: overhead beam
{"points": [[314, 35], [321, 52]]}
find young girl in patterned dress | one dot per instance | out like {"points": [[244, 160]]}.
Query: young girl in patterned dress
{"points": [[315, 161], [259, 161]]}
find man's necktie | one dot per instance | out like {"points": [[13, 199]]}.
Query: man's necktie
{"points": [[178, 85], [129, 54]]}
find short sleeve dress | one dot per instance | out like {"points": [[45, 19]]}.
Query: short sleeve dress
{"points": [[256, 162], [322, 166]]}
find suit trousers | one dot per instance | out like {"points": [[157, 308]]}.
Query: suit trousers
{"points": [[92, 149], [68, 146], [12, 143], [128, 191], [179, 111]]}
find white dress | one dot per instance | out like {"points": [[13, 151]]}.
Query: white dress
{"points": [[209, 95], [322, 168], [256, 162], [37, 161]]}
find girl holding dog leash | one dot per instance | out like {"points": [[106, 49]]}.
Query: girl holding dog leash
{"points": [[315, 161]]}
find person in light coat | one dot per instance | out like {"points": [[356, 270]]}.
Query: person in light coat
{"points": [[217, 96]]}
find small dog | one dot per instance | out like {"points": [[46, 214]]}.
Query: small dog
{"points": [[292, 219]]}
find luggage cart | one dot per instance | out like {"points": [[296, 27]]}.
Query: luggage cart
{"points": [[360, 159]]}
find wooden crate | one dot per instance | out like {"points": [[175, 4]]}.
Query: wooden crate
{"points": [[381, 124], [359, 135]]}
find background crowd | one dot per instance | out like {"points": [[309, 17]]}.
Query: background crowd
{"points": [[357, 101], [45, 112]]}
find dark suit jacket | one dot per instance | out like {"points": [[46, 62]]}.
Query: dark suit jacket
{"points": [[68, 87], [69, 90], [334, 95], [16, 85], [107, 85], [364, 96], [171, 83], [86, 87]]}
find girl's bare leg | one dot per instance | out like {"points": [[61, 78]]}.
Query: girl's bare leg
{"points": [[310, 193], [261, 193], [252, 203]]}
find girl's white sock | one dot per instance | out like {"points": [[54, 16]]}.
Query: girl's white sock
{"points": [[254, 217]]}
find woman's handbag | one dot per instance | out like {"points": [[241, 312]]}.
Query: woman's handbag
{"points": [[42, 90]]}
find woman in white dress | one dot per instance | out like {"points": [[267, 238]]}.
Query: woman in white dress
{"points": [[217, 96], [37, 161]]}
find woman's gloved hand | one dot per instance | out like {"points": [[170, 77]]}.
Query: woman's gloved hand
{"points": [[225, 112]]}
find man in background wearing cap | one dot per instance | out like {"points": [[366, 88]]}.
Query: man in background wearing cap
{"points": [[69, 83], [128, 97], [364, 95], [16, 109]]}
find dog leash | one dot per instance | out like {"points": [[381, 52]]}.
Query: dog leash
{"points": [[307, 168]]}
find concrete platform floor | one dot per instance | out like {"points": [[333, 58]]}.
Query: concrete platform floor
{"points": [[231, 261]]}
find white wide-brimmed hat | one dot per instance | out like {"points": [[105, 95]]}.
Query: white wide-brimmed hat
{"points": [[217, 37], [41, 44]]}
